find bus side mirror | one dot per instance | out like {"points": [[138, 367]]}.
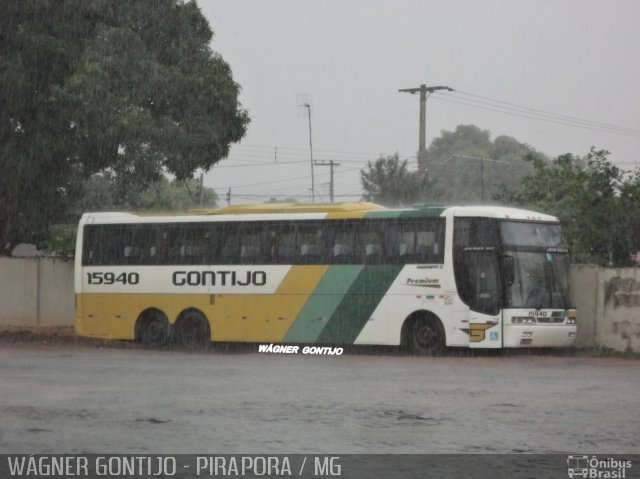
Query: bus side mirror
{"points": [[508, 269]]}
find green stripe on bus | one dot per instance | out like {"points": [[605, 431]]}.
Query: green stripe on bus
{"points": [[418, 212], [383, 214], [322, 303], [358, 304]]}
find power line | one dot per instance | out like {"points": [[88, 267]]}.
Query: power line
{"points": [[560, 115], [246, 165], [249, 155], [304, 150], [539, 117]]}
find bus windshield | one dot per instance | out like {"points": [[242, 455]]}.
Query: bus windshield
{"points": [[523, 234], [538, 257]]}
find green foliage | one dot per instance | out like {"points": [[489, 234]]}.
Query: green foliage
{"points": [[454, 171], [596, 202], [455, 164], [273, 199], [91, 85], [104, 192], [61, 240], [389, 182]]}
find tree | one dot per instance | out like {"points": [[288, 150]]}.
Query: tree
{"points": [[456, 167], [595, 201], [90, 85], [388, 181], [102, 192], [456, 174]]}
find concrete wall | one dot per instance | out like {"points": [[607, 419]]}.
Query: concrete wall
{"points": [[584, 285], [608, 303], [619, 306], [38, 292]]}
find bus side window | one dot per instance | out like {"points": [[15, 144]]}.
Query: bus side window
{"points": [[183, 244], [284, 245], [308, 251], [115, 239], [132, 255], [369, 244], [342, 252], [153, 255], [254, 245], [137, 240], [343, 248], [230, 249], [429, 238], [424, 246], [311, 244], [190, 254], [90, 245], [373, 253], [163, 253], [399, 243]]}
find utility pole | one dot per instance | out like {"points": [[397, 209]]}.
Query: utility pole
{"points": [[201, 184], [331, 165], [228, 196], [313, 186], [424, 91], [467, 157]]}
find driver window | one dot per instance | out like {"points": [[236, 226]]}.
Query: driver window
{"points": [[483, 283]]}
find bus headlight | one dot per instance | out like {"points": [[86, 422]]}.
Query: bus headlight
{"points": [[523, 320], [570, 320]]}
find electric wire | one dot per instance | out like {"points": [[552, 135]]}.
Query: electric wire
{"points": [[548, 118], [249, 155]]}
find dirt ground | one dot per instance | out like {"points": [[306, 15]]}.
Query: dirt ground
{"points": [[63, 394]]}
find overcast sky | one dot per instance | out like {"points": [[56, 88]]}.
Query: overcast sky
{"points": [[577, 58]]}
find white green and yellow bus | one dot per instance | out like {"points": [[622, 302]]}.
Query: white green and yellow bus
{"points": [[426, 277]]}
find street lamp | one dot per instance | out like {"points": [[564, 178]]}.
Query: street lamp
{"points": [[313, 189]]}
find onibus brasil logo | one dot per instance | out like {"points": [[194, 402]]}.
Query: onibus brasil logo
{"points": [[594, 467]]}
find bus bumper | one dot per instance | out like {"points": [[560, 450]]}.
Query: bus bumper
{"points": [[538, 336]]}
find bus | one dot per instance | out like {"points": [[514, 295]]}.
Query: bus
{"points": [[425, 278]]}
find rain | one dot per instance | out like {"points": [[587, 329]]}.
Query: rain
{"points": [[343, 232]]}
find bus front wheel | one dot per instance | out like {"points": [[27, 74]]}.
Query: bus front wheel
{"points": [[426, 337]]}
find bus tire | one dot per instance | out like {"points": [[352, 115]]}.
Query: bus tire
{"points": [[191, 331], [153, 329], [425, 336]]}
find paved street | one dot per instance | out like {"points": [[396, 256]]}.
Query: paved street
{"points": [[81, 399]]}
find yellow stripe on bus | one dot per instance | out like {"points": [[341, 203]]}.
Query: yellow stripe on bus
{"points": [[233, 317]]}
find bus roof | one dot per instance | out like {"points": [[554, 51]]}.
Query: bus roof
{"points": [[274, 211], [298, 208], [502, 212]]}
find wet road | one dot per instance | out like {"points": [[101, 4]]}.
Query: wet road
{"points": [[77, 399]]}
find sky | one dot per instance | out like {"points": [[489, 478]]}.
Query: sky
{"points": [[552, 64]]}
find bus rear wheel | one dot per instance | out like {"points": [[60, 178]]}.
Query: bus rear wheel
{"points": [[192, 331], [426, 337], [154, 330]]}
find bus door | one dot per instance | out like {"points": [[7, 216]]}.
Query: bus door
{"points": [[484, 298]]}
